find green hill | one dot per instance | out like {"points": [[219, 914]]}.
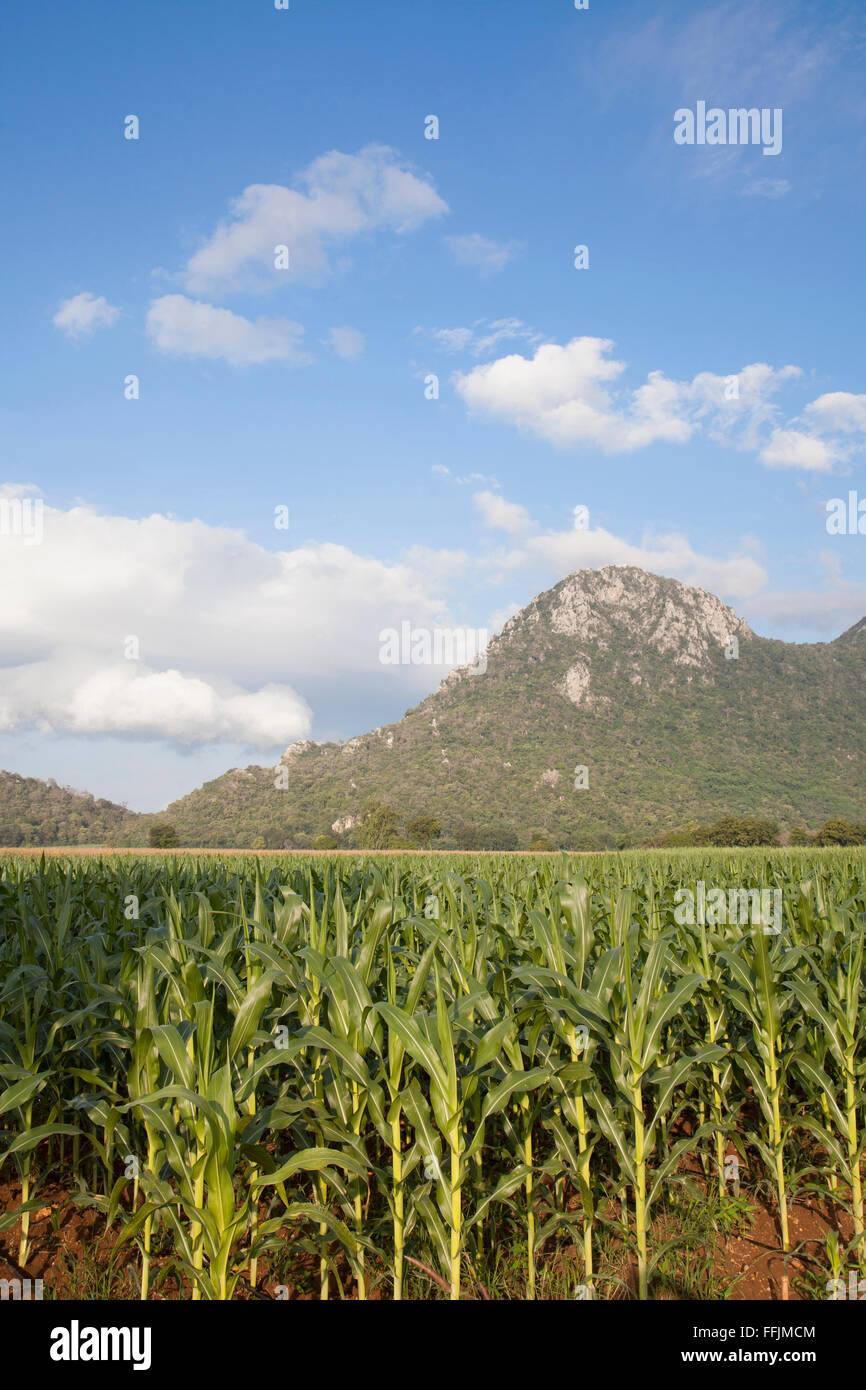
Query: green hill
{"points": [[615, 670], [33, 812]]}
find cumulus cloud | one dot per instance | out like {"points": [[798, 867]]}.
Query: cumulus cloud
{"points": [[794, 449], [571, 395], [137, 702], [563, 395], [501, 514], [225, 629], [188, 328], [338, 197], [347, 343], [839, 410], [822, 437], [558, 553], [80, 316], [479, 253], [738, 575]]}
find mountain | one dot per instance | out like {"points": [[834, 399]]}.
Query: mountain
{"points": [[33, 812], [634, 677], [619, 671]]}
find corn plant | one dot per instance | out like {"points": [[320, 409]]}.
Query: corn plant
{"points": [[302, 1058]]}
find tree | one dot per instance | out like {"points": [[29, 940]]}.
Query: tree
{"points": [[540, 842], [326, 841], [377, 826], [468, 837], [498, 837], [837, 831], [727, 831], [799, 835], [740, 831], [162, 836], [424, 830], [258, 842]]}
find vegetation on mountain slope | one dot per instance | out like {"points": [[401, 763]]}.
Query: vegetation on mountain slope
{"points": [[33, 812], [615, 671]]}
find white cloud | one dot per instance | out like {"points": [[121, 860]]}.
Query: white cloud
{"points": [[453, 339], [347, 343], [794, 57], [80, 316], [723, 47], [440, 567], [188, 328], [737, 410], [829, 611], [477, 342], [794, 449], [839, 410], [738, 575], [502, 515], [225, 629], [127, 699], [479, 253], [570, 396], [559, 553], [341, 196], [818, 447], [470, 479], [561, 394]]}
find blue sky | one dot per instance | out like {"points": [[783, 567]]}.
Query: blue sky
{"points": [[305, 388]]}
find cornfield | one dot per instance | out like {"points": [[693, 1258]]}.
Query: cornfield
{"points": [[389, 1066]]}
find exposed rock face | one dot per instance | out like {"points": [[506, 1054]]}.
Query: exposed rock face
{"points": [[297, 750], [601, 607], [575, 686]]}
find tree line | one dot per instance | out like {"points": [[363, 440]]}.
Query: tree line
{"points": [[380, 827]]}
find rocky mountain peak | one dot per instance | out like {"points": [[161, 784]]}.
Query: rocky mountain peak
{"points": [[622, 605]]}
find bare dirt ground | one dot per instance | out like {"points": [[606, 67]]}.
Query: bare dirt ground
{"points": [[71, 1251]]}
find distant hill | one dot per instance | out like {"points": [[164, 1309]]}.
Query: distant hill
{"points": [[619, 671], [33, 812]]}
